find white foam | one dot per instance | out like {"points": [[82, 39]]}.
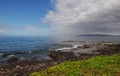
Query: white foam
{"points": [[65, 48], [76, 46]]}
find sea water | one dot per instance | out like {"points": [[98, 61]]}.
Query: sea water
{"points": [[27, 47]]}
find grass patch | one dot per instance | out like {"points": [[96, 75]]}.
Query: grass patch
{"points": [[96, 66]]}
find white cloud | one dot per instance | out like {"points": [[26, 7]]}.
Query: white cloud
{"points": [[1, 31], [4, 26], [31, 28], [84, 16]]}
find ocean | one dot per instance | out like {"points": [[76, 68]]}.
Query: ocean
{"points": [[26, 47], [22, 43]]}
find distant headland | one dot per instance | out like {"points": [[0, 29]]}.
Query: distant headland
{"points": [[97, 35]]}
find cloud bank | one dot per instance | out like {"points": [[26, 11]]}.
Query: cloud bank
{"points": [[76, 17]]}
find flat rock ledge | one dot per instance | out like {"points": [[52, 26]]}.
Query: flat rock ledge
{"points": [[63, 56], [84, 53]]}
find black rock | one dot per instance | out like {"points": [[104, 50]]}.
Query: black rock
{"points": [[4, 54], [13, 59]]}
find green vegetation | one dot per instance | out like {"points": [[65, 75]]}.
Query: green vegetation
{"points": [[96, 66]]}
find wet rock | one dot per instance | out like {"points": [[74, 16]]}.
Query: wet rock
{"points": [[109, 49], [61, 56], [75, 47], [86, 46], [47, 58], [13, 59], [86, 52], [4, 54]]}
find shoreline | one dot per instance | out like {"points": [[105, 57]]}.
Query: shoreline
{"points": [[25, 67]]}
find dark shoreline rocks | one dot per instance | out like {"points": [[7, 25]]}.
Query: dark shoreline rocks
{"points": [[4, 54], [24, 68], [69, 56], [17, 67], [84, 53]]}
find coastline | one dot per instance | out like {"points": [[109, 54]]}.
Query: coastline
{"points": [[25, 67]]}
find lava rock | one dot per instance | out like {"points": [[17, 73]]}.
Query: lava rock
{"points": [[4, 54], [13, 59]]}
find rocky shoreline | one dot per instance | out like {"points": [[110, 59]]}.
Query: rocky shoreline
{"points": [[24, 68], [85, 51], [16, 67]]}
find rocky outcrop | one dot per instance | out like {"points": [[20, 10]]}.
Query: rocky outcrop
{"points": [[62, 56], [84, 53], [4, 54], [16, 67], [24, 68], [13, 60]]}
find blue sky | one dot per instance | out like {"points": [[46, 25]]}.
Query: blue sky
{"points": [[59, 17], [19, 14]]}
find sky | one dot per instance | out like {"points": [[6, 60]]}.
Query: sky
{"points": [[59, 17], [23, 17]]}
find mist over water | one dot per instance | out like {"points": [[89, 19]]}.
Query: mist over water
{"points": [[112, 38]]}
